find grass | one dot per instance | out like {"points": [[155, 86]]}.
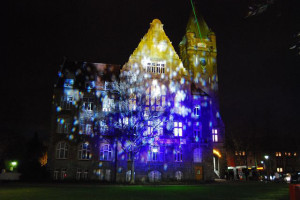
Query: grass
{"points": [[239, 190]]}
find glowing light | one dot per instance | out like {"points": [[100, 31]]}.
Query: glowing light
{"points": [[259, 168], [217, 153]]}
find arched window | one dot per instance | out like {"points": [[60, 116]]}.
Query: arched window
{"points": [[105, 152], [154, 176], [197, 155], [178, 175], [62, 150], [84, 151]]}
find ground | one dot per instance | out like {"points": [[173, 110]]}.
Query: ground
{"points": [[233, 190]]}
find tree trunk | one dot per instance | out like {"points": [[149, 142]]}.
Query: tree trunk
{"points": [[132, 169], [116, 161]]}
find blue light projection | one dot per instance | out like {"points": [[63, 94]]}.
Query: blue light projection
{"points": [[143, 112]]}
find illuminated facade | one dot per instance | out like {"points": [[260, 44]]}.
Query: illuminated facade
{"points": [[168, 109]]}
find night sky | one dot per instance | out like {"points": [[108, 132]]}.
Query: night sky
{"points": [[258, 72]]}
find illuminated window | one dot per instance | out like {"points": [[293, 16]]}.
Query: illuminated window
{"points": [[105, 152], [295, 154], [178, 155], [178, 129], [215, 135], [154, 176], [279, 169], [278, 154], [197, 128], [178, 175], [62, 150], [69, 83], [107, 104], [157, 68], [150, 128], [66, 102], [197, 155], [84, 151], [103, 127], [289, 153], [236, 153], [197, 111], [88, 104], [155, 98], [88, 129], [63, 126], [154, 153], [132, 102]]}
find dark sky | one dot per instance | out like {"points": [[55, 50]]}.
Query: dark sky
{"points": [[258, 73]]}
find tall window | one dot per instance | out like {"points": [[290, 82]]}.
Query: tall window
{"points": [[88, 104], [197, 129], [215, 135], [178, 155], [103, 127], [154, 153], [63, 126], [178, 129], [62, 150], [197, 155], [155, 127], [105, 152], [156, 97], [107, 104], [278, 154], [197, 111], [84, 151], [150, 128], [66, 102], [132, 102]]}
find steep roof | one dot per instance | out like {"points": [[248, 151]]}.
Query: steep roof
{"points": [[155, 44], [192, 26]]}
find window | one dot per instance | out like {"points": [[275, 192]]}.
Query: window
{"points": [[105, 152], [103, 127], [158, 68], [215, 135], [155, 97], [88, 104], [154, 176], [63, 174], [79, 174], [197, 111], [69, 83], [295, 154], [178, 129], [132, 102], [84, 151], [63, 126], [178, 155], [89, 85], [85, 174], [107, 104], [278, 154], [128, 176], [55, 174], [88, 129], [150, 128], [153, 128], [279, 169], [197, 155], [62, 150], [66, 102], [197, 128], [153, 153], [178, 175]]}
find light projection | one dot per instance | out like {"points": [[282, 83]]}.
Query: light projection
{"points": [[155, 112]]}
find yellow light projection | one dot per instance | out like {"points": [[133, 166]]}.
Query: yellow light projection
{"points": [[155, 56], [217, 153]]}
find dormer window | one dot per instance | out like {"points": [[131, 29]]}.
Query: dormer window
{"points": [[156, 68]]}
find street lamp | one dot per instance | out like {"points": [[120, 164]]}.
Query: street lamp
{"points": [[266, 157]]}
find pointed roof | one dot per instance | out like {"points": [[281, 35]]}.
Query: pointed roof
{"points": [[155, 44], [192, 26]]}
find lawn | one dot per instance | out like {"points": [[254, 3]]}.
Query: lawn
{"points": [[239, 190]]}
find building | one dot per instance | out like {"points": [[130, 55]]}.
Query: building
{"points": [[169, 101]]}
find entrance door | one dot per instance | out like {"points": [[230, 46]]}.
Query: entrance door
{"points": [[198, 173]]}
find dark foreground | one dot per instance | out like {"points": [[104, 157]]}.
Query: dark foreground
{"points": [[233, 190]]}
